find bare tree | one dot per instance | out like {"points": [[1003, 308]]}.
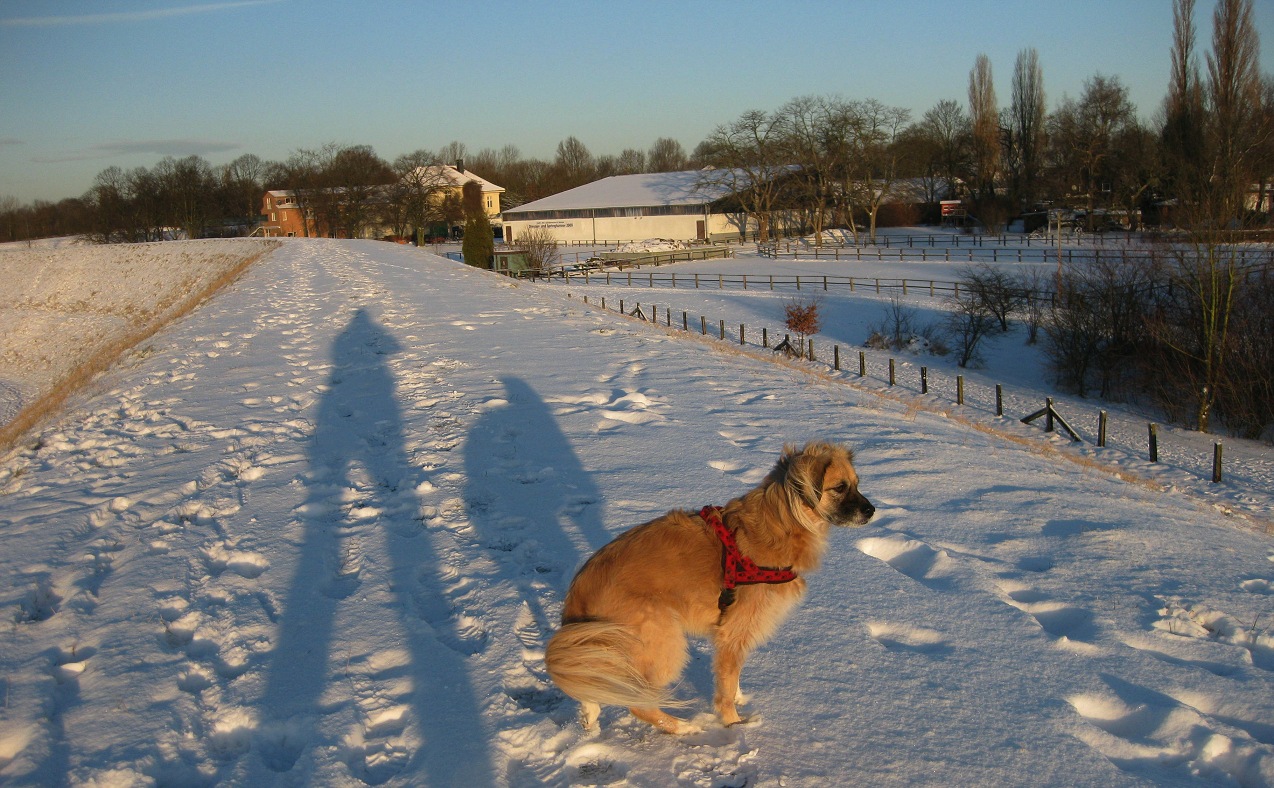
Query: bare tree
{"points": [[968, 324], [1085, 135], [947, 125], [666, 155], [1234, 98], [747, 158], [1182, 132], [187, 193], [869, 165], [994, 289], [539, 247], [984, 116], [1026, 128], [243, 181], [816, 140], [574, 165]]}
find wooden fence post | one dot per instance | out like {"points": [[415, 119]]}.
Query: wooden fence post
{"points": [[703, 325], [862, 364], [924, 380], [765, 338], [959, 389], [1216, 462], [723, 329], [1154, 442], [999, 399], [836, 357], [1048, 415], [891, 370], [1102, 419], [685, 322], [742, 328]]}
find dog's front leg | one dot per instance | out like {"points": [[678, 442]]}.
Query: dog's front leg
{"points": [[727, 665]]}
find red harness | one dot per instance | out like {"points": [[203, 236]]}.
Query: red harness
{"points": [[738, 569]]}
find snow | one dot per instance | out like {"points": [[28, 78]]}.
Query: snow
{"points": [[319, 531], [627, 191]]}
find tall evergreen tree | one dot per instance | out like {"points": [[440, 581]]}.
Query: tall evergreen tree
{"points": [[479, 243]]}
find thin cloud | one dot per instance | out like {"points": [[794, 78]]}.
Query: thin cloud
{"points": [[129, 16], [172, 147]]}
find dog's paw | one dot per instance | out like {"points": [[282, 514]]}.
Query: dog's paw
{"points": [[588, 714], [683, 728]]}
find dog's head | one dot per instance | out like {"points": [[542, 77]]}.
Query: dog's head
{"points": [[821, 480]]}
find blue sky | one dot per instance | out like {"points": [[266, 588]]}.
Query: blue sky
{"points": [[89, 85]]}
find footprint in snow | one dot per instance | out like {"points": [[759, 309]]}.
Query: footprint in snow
{"points": [[901, 637], [1068, 623], [913, 558]]}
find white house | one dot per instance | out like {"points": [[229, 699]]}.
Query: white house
{"points": [[673, 205]]}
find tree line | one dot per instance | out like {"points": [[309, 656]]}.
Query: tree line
{"points": [[346, 188], [848, 160]]}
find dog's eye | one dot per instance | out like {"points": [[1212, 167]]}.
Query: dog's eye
{"points": [[841, 488]]}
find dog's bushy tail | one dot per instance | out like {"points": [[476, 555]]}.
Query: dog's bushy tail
{"points": [[591, 662]]}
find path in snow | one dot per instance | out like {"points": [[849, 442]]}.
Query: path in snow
{"points": [[320, 535]]}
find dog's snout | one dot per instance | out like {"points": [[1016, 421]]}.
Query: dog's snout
{"points": [[867, 509]]}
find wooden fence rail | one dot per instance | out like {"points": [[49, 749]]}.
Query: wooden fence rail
{"points": [[805, 351]]}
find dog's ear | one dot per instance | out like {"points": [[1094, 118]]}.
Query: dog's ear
{"points": [[805, 471]]}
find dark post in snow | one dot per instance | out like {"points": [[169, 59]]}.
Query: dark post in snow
{"points": [[959, 389], [891, 371], [765, 337], [742, 329], [836, 357], [1154, 442], [1216, 462], [924, 380], [999, 399], [862, 364], [1102, 419]]}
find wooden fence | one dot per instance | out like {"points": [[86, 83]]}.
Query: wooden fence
{"points": [[805, 350], [672, 280]]}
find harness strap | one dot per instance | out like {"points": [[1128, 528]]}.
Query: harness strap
{"points": [[737, 568]]}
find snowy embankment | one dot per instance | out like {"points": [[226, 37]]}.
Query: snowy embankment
{"points": [[68, 311], [319, 534]]}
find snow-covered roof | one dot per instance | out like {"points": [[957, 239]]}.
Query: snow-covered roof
{"points": [[457, 177], [631, 191], [434, 173]]}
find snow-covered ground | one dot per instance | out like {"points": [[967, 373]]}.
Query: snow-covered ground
{"points": [[318, 533], [66, 305]]}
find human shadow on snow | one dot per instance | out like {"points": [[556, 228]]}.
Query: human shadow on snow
{"points": [[358, 444], [529, 497]]}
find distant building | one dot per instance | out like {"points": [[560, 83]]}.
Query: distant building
{"points": [[285, 216], [682, 206]]}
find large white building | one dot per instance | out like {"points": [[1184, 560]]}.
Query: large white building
{"points": [[673, 205]]}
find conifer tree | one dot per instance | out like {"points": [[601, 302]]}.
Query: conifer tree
{"points": [[479, 243]]}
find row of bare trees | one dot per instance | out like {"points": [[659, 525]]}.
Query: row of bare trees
{"points": [[846, 159], [343, 189]]}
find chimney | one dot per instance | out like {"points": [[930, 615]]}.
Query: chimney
{"points": [[460, 165]]}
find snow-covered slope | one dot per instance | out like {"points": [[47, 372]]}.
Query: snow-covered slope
{"points": [[319, 534], [65, 306]]}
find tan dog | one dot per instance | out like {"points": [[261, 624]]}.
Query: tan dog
{"points": [[631, 606]]}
